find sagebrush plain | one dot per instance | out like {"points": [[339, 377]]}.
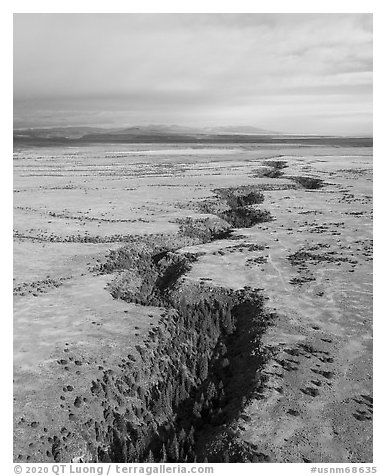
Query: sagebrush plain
{"points": [[193, 302]]}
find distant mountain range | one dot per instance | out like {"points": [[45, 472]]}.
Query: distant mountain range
{"points": [[80, 131], [84, 135]]}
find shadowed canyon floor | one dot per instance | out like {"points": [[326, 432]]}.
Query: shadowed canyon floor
{"points": [[193, 303]]}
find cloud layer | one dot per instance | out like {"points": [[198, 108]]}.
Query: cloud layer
{"points": [[289, 72]]}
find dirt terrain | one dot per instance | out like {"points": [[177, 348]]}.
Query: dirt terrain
{"points": [[193, 303]]}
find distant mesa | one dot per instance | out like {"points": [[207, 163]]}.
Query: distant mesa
{"points": [[245, 130], [169, 134]]}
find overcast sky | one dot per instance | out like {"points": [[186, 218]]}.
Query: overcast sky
{"points": [[283, 72]]}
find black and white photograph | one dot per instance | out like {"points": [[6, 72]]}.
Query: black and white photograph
{"points": [[192, 239]]}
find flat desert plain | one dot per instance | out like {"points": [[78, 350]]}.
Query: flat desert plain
{"points": [[188, 303]]}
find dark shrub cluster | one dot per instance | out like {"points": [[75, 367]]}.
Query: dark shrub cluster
{"points": [[240, 197], [203, 229], [244, 217], [276, 164], [310, 183]]}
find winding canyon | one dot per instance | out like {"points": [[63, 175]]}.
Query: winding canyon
{"points": [[193, 303]]}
